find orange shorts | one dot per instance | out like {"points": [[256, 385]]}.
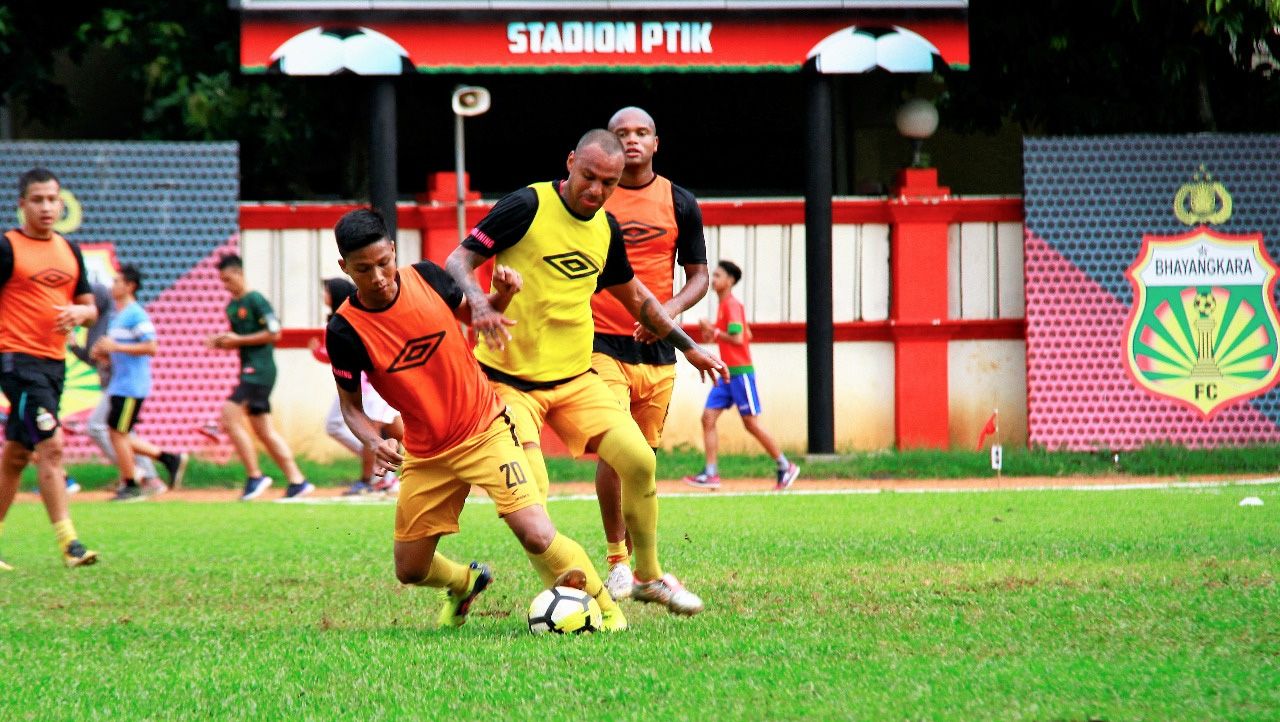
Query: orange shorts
{"points": [[644, 388], [579, 410], [433, 490]]}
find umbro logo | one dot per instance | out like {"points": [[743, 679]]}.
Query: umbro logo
{"points": [[416, 352], [52, 278], [572, 265], [634, 232]]}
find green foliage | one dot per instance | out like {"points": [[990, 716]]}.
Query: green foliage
{"points": [[1013, 606], [1116, 66]]}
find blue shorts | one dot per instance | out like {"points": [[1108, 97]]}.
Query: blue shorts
{"points": [[740, 391]]}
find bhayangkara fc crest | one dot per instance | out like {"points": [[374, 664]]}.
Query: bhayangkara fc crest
{"points": [[1203, 326]]}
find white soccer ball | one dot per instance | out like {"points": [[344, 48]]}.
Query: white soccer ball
{"points": [[863, 49], [334, 50], [564, 610]]}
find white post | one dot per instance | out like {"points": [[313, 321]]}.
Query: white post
{"points": [[459, 162]]}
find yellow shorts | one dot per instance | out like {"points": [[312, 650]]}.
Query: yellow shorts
{"points": [[433, 490], [579, 410], [645, 388]]}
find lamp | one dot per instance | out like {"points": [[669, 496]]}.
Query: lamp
{"points": [[468, 101], [917, 120]]}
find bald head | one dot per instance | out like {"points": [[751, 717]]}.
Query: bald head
{"points": [[631, 116], [599, 138]]}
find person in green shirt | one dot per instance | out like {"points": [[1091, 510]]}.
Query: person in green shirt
{"points": [[254, 332]]}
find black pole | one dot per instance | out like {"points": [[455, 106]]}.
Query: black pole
{"points": [[382, 150], [817, 233]]}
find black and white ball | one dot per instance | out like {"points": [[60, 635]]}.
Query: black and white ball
{"points": [[564, 610], [864, 49], [331, 50]]}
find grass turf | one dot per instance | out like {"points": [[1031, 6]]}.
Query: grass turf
{"points": [[1157, 460], [1144, 604]]}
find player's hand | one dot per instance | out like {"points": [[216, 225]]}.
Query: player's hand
{"points": [[708, 331], [70, 316], [104, 346], [313, 343], [642, 334], [707, 364], [386, 456], [506, 280], [491, 327], [217, 341]]}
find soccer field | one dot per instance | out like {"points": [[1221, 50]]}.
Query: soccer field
{"points": [[1137, 604]]}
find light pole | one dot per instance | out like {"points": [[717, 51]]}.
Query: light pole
{"points": [[917, 120], [468, 101]]}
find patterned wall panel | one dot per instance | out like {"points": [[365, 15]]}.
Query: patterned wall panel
{"points": [[1090, 203], [171, 209]]}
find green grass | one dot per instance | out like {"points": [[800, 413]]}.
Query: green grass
{"points": [[914, 464], [1143, 604]]}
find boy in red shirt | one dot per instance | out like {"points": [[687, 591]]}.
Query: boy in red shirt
{"points": [[734, 337]]}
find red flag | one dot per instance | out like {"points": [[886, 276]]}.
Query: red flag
{"points": [[987, 430]]}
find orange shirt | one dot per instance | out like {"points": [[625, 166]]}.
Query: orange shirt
{"points": [[661, 226], [417, 359], [647, 217], [731, 317], [43, 273]]}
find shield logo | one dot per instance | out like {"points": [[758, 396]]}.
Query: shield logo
{"points": [[1203, 327]]}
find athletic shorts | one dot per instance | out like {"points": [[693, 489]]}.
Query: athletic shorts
{"points": [[645, 388], [124, 413], [256, 397], [739, 391], [33, 386], [433, 489], [579, 410]]}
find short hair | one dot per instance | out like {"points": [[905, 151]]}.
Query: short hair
{"points": [[608, 142], [35, 175], [359, 228], [230, 260], [732, 269], [131, 274]]}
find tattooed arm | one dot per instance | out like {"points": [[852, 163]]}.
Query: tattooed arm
{"points": [[488, 322], [646, 309]]}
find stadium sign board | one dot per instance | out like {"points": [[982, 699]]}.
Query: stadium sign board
{"points": [[372, 38]]}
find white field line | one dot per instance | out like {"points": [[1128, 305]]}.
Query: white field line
{"points": [[1266, 481]]}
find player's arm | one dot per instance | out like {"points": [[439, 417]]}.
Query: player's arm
{"points": [[349, 358], [106, 344], [691, 252], [502, 228], [736, 335], [643, 305], [80, 312], [270, 332], [83, 310]]}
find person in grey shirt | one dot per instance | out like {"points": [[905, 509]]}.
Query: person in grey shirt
{"points": [[97, 427]]}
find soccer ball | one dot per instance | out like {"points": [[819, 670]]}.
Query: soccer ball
{"points": [[564, 610], [335, 50], [863, 49]]}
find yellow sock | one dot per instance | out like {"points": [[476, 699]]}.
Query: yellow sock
{"points": [[538, 468], [617, 553], [625, 449], [66, 533], [565, 554], [447, 574]]}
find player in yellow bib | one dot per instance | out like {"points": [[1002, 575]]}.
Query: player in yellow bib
{"points": [[539, 355]]}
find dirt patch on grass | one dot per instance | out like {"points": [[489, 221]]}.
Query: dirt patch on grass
{"points": [[737, 486]]}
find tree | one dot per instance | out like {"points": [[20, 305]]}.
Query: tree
{"points": [[1114, 66]]}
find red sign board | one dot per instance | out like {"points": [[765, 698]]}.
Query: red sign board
{"points": [[564, 43]]}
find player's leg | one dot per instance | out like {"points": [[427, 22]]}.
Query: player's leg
{"points": [[527, 412], [100, 431], [718, 399], [235, 421], [495, 461], [427, 509], [747, 400], [119, 424], [609, 486], [175, 464], [258, 408], [38, 412]]}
